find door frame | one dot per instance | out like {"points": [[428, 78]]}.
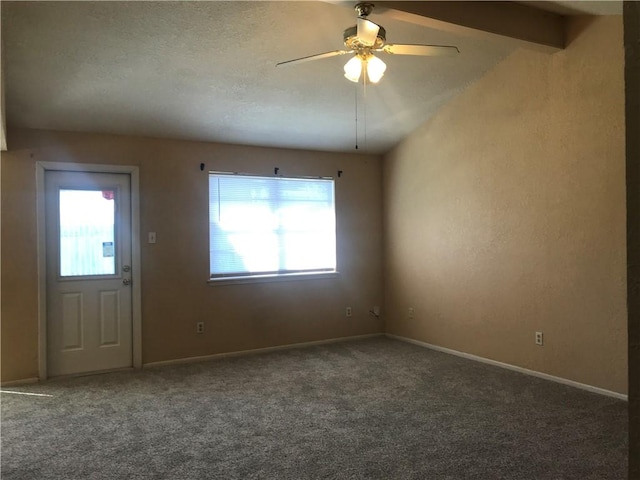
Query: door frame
{"points": [[136, 293]]}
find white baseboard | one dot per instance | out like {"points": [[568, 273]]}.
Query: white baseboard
{"points": [[24, 381], [508, 366], [258, 350]]}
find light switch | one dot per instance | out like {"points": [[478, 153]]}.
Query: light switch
{"points": [[152, 237]]}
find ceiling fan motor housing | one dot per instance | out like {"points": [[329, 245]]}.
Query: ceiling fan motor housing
{"points": [[352, 42]]}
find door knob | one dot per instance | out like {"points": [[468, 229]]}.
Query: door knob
{"points": [[126, 281]]}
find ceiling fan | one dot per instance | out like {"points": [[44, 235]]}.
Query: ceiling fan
{"points": [[365, 38]]}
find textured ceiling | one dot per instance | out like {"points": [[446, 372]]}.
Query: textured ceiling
{"points": [[206, 71], [579, 7]]}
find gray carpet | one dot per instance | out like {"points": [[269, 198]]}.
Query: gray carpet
{"points": [[369, 409]]}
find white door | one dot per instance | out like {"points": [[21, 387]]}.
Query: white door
{"points": [[88, 238]]}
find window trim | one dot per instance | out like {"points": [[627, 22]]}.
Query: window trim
{"points": [[264, 277], [282, 277]]}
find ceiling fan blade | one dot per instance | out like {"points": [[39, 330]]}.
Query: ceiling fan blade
{"points": [[367, 32], [312, 57], [425, 50]]}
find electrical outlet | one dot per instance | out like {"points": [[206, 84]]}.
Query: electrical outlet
{"points": [[347, 311], [376, 311], [200, 327], [539, 339], [410, 313]]}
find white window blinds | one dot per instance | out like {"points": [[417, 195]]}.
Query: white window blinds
{"points": [[270, 225]]}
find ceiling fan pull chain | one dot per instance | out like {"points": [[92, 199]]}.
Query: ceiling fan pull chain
{"points": [[356, 105], [364, 107]]}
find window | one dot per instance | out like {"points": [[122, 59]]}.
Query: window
{"points": [[270, 225], [87, 232]]}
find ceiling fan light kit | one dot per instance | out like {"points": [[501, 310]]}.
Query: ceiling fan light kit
{"points": [[365, 38], [373, 66]]}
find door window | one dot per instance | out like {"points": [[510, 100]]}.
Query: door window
{"points": [[87, 232]]}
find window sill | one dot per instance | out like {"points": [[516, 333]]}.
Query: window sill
{"points": [[272, 278]]}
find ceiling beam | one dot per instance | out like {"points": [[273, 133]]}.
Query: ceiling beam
{"points": [[529, 26]]}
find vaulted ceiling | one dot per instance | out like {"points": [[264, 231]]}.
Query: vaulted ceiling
{"points": [[206, 70]]}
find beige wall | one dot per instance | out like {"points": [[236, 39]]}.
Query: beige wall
{"points": [[175, 294], [505, 215]]}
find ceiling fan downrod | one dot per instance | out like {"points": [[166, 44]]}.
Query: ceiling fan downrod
{"points": [[364, 9]]}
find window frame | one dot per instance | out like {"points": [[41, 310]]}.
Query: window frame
{"points": [[261, 277]]}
